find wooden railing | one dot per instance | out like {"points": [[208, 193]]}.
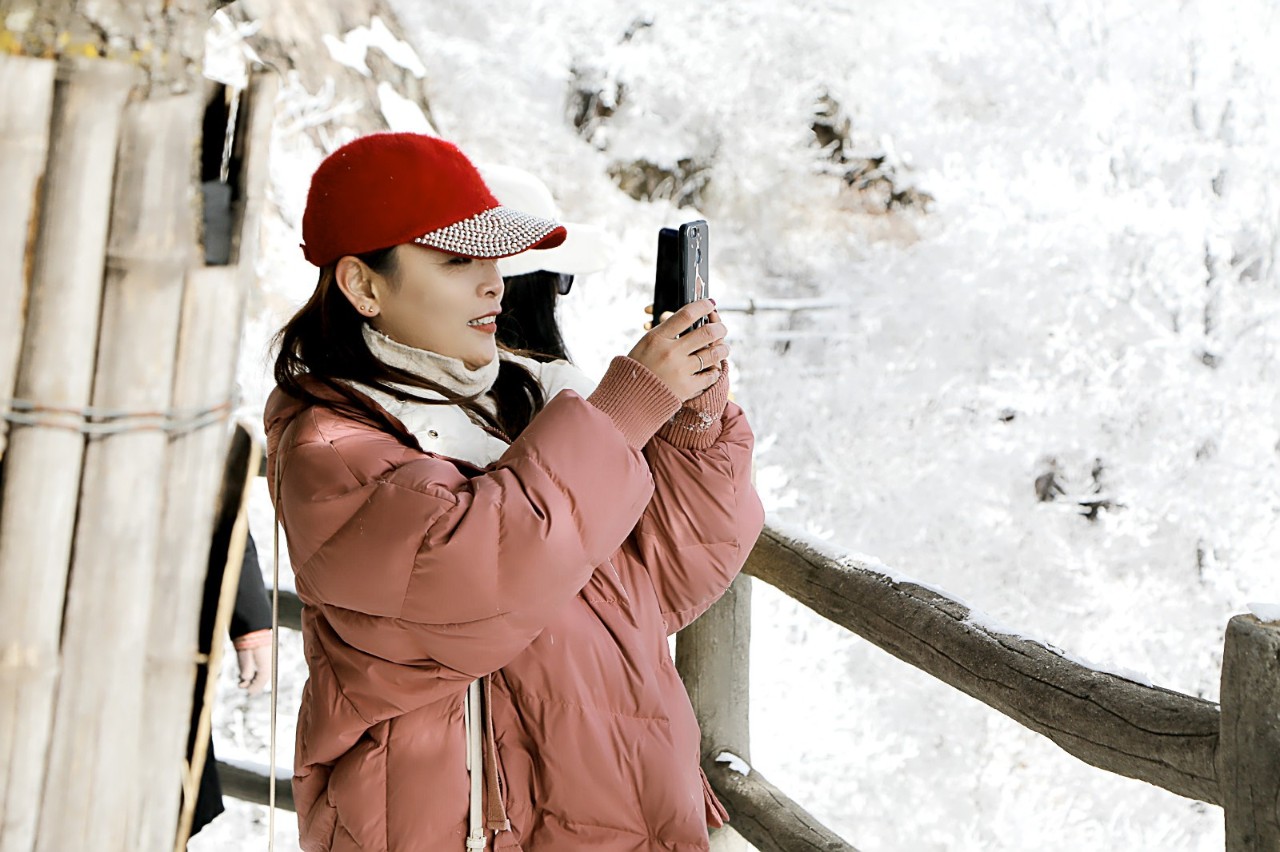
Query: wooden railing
{"points": [[1227, 755]]}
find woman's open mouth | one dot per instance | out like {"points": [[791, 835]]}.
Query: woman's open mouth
{"points": [[487, 324]]}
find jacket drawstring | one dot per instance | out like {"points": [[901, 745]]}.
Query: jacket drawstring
{"points": [[488, 811]]}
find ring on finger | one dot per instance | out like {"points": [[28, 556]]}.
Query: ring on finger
{"points": [[701, 366]]}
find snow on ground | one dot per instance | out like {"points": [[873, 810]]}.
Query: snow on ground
{"points": [[1093, 295]]}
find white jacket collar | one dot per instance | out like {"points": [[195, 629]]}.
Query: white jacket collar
{"points": [[446, 430]]}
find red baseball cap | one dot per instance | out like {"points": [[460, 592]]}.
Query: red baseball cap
{"points": [[386, 189]]}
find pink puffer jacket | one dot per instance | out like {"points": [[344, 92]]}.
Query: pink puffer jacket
{"points": [[559, 570]]}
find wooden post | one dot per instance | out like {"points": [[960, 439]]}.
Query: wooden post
{"points": [[94, 772], [24, 145], [1249, 746], [713, 656], [212, 317], [42, 464]]}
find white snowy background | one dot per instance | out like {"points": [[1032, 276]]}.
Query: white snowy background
{"points": [[1093, 291]]}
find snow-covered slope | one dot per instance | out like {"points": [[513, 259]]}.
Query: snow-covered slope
{"points": [[1090, 303]]}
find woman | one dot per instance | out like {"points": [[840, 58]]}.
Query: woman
{"points": [[536, 280], [455, 513]]}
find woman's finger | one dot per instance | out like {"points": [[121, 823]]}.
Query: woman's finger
{"points": [[681, 320], [719, 352], [701, 338]]}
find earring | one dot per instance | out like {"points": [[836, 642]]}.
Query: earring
{"points": [[368, 309]]}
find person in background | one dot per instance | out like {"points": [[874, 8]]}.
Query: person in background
{"points": [[491, 550], [250, 630], [536, 280]]}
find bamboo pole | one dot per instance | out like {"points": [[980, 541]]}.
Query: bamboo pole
{"points": [[24, 145], [209, 342], [42, 464], [241, 469], [190, 493], [94, 774], [1249, 754], [712, 656]]}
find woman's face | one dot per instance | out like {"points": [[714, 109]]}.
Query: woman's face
{"points": [[431, 299]]}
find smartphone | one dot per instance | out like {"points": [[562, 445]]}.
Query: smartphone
{"points": [[681, 275]]}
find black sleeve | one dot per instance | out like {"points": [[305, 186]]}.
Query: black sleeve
{"points": [[253, 607]]}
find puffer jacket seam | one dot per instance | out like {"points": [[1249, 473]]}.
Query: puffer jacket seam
{"points": [[706, 603], [653, 534], [577, 522], [376, 483], [719, 448], [444, 495], [434, 624], [648, 835], [342, 692], [592, 708]]}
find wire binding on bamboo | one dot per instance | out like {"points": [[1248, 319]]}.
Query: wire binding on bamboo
{"points": [[96, 422]]}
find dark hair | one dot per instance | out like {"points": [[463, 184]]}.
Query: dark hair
{"points": [[528, 323], [324, 341]]}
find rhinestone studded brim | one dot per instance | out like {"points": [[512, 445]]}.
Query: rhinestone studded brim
{"points": [[496, 232]]}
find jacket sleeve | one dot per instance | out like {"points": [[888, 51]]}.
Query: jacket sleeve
{"points": [[702, 521], [252, 610], [420, 566]]}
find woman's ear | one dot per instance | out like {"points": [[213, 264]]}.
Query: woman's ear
{"points": [[355, 279]]}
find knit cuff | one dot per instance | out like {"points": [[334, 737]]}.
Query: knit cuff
{"points": [[635, 399], [698, 423], [256, 639]]}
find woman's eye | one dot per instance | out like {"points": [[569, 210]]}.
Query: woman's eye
{"points": [[459, 261]]}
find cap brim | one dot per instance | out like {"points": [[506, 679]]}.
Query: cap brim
{"points": [[496, 232], [585, 249]]}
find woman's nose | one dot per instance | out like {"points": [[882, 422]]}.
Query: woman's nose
{"points": [[493, 284]]}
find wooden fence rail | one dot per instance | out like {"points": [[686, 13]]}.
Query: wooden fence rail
{"points": [[1144, 732], [1228, 756]]}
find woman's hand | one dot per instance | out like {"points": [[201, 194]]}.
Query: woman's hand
{"points": [[690, 364], [253, 654]]}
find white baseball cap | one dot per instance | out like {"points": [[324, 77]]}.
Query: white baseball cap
{"points": [[586, 248]]}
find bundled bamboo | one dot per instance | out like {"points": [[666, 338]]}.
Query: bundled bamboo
{"points": [[212, 314], [24, 144], [93, 778], [42, 463], [78, 684]]}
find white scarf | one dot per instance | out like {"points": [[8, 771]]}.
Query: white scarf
{"points": [[446, 430], [452, 373]]}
